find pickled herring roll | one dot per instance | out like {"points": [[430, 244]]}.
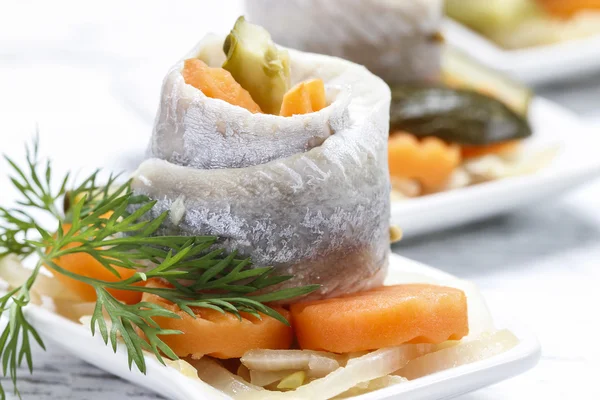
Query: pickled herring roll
{"points": [[194, 129], [399, 41], [281, 154]]}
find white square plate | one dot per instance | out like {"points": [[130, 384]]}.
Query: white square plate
{"points": [[535, 65], [577, 162], [442, 385]]}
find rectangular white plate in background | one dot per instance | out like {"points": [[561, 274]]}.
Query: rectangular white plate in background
{"points": [[576, 163], [534, 65], [442, 385]]}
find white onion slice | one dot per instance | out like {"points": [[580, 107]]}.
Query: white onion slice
{"points": [[406, 187], [15, 274], [397, 196], [447, 344], [182, 367], [485, 346], [85, 320], [460, 178], [319, 363], [244, 373], [220, 378], [73, 311], [491, 166], [366, 368], [321, 366], [372, 385]]}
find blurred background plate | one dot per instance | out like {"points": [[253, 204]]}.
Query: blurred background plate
{"points": [[535, 65], [577, 162]]}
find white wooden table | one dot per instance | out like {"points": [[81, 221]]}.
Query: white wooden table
{"points": [[85, 72]]}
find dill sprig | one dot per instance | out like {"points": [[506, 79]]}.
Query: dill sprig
{"points": [[107, 221], [14, 227]]}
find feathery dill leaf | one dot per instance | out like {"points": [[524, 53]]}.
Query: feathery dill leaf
{"points": [[106, 221]]}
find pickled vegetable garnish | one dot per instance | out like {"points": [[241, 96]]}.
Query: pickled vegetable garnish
{"points": [[429, 161], [217, 84], [455, 115], [257, 64]]}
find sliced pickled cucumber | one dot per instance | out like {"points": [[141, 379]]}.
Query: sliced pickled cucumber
{"points": [[292, 381], [257, 64], [459, 116], [462, 71]]}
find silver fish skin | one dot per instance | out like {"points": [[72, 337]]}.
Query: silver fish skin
{"points": [[194, 130], [398, 40], [320, 214]]}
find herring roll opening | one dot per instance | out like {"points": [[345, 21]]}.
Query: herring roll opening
{"points": [[301, 185]]}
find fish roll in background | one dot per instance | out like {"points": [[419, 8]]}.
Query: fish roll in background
{"points": [[399, 41]]}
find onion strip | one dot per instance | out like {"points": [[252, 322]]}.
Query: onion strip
{"points": [[220, 378], [362, 369], [485, 346], [317, 363]]}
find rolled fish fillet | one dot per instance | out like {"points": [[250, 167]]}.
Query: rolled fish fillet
{"points": [[399, 40], [307, 194]]}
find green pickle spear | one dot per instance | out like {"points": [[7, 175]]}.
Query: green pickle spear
{"points": [[460, 116], [257, 64]]}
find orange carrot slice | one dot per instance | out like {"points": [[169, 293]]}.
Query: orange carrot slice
{"points": [[217, 83], [304, 98], [382, 317], [430, 161], [568, 8], [220, 335], [85, 265], [495, 148]]}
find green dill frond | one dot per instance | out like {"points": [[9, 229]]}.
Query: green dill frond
{"points": [[110, 223]]}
